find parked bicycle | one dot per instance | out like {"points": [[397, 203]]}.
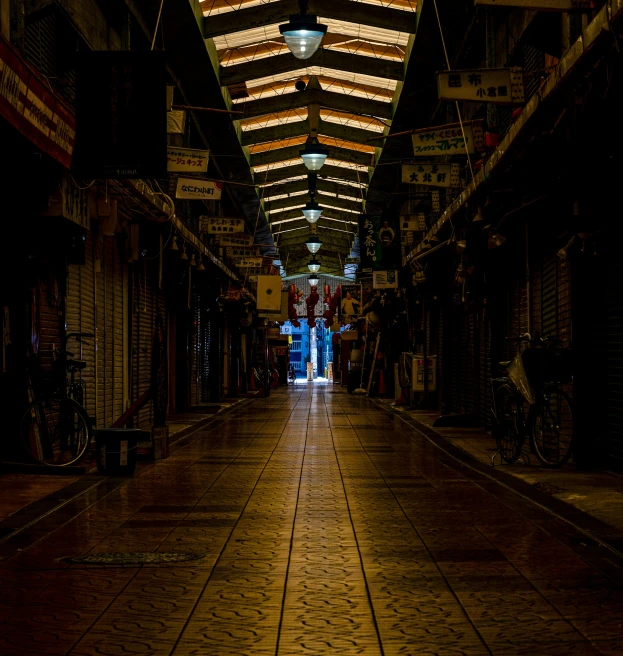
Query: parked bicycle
{"points": [[56, 429], [529, 400]]}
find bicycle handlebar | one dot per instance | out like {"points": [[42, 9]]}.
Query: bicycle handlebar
{"points": [[78, 336]]}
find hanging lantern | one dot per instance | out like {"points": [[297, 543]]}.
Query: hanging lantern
{"points": [[313, 244], [200, 266], [312, 211], [313, 265], [313, 280], [314, 154], [303, 34]]}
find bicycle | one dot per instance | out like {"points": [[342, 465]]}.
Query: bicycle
{"points": [[56, 429], [530, 400]]}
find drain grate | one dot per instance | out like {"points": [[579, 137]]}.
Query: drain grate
{"points": [[138, 558]]}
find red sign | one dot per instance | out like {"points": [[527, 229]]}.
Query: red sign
{"points": [[29, 106]]}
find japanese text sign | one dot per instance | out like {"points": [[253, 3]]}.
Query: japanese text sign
{"points": [[69, 201], [232, 240], [448, 140], [503, 86], [432, 175], [216, 225], [249, 262], [28, 105], [186, 160], [195, 188], [240, 251]]}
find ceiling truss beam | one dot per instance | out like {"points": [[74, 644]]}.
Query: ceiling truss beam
{"points": [[333, 59], [322, 199], [327, 171], [292, 152], [279, 12], [300, 128], [350, 218], [328, 186]]}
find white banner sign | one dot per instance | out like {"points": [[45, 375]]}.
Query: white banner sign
{"points": [[195, 188], [503, 86], [242, 251], [187, 160], [448, 140], [385, 279], [433, 175], [216, 225]]}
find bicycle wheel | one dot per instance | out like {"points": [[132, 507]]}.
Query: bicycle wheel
{"points": [[552, 427], [55, 431], [506, 426]]}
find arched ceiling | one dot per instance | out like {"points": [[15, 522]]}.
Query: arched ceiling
{"points": [[356, 78]]}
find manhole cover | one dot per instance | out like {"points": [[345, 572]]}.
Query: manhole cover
{"points": [[138, 558], [548, 488]]}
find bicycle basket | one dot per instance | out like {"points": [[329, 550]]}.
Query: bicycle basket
{"points": [[517, 374], [548, 365]]}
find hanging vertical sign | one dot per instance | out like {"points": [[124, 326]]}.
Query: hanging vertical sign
{"points": [[379, 239], [449, 139], [503, 86], [431, 174]]}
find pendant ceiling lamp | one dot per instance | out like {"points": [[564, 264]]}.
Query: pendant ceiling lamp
{"points": [[313, 265], [303, 34], [314, 154], [313, 280], [313, 244], [312, 211]]}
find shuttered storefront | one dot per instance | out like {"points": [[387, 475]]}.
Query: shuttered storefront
{"points": [[80, 318], [110, 320], [484, 367], [96, 303], [614, 366], [147, 301]]}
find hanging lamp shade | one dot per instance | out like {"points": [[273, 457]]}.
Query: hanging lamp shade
{"points": [[303, 34], [314, 155], [313, 265], [312, 211], [313, 280], [313, 244]]}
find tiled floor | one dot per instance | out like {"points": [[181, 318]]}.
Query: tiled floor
{"points": [[324, 526]]}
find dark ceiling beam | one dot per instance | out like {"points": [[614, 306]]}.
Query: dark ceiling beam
{"points": [[274, 133], [334, 226], [292, 152], [328, 171], [329, 242], [333, 59], [346, 132], [322, 199], [299, 186], [337, 215], [327, 99], [279, 12]]}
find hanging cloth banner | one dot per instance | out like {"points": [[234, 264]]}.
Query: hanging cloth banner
{"points": [[502, 86], [195, 188], [379, 239], [448, 140], [432, 175], [187, 160]]}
